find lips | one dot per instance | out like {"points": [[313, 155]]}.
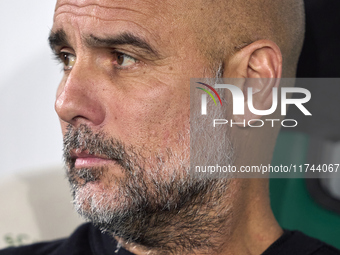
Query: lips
{"points": [[83, 159]]}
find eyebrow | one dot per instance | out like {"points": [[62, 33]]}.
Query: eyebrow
{"points": [[59, 38], [121, 39]]}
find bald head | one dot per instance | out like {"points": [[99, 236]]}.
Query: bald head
{"points": [[226, 26]]}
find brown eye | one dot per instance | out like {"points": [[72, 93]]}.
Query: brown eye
{"points": [[68, 60], [124, 60], [120, 59]]}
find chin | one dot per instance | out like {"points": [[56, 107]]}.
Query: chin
{"points": [[95, 198]]}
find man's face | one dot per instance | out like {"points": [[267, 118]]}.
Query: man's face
{"points": [[127, 70], [124, 104]]}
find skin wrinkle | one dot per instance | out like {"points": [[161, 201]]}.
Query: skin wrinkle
{"points": [[84, 15], [99, 6], [110, 19]]}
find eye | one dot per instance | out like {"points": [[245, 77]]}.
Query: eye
{"points": [[124, 60], [68, 60]]}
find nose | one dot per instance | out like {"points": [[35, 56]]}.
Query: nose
{"points": [[78, 99]]}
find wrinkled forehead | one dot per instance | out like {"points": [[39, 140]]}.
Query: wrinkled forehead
{"points": [[143, 4], [156, 19], [110, 9]]}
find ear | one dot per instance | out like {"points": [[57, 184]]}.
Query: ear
{"points": [[260, 63]]}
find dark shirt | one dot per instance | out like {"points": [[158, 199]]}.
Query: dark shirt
{"points": [[88, 240]]}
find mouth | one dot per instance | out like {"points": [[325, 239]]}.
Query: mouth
{"points": [[84, 159]]}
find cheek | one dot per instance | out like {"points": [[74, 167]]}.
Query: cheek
{"points": [[154, 115]]}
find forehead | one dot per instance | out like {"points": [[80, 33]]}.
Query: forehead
{"points": [[114, 9], [152, 18], [137, 4]]}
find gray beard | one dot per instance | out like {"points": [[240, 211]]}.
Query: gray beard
{"points": [[159, 206], [168, 214]]}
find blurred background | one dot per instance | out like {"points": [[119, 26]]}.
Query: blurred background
{"points": [[34, 194], [29, 131]]}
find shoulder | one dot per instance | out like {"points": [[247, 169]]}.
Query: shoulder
{"points": [[44, 248], [326, 249], [314, 246], [75, 244], [295, 242]]}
